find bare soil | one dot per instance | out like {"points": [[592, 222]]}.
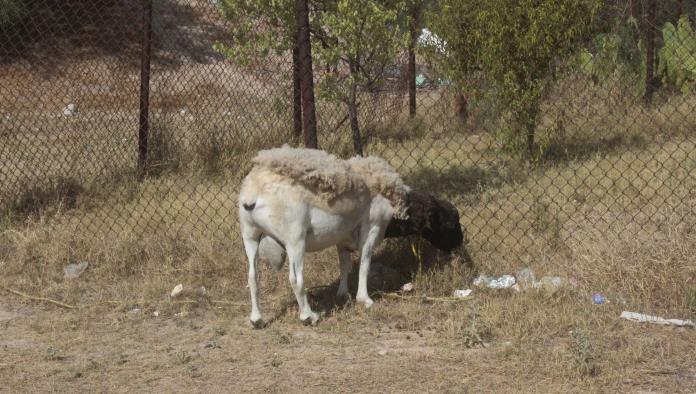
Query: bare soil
{"points": [[45, 349]]}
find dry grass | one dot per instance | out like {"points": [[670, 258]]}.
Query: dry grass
{"points": [[612, 206], [624, 230]]}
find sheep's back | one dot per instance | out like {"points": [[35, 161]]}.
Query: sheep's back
{"points": [[319, 171]]}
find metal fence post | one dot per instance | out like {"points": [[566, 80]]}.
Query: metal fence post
{"points": [[296, 92], [650, 26], [414, 11], [144, 125]]}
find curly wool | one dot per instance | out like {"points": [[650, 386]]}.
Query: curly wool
{"points": [[330, 177]]}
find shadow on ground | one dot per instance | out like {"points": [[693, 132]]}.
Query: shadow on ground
{"points": [[393, 265]]}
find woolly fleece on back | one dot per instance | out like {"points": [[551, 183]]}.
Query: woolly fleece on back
{"points": [[330, 177]]}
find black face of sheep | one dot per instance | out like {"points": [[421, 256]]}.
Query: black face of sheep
{"points": [[432, 218]]}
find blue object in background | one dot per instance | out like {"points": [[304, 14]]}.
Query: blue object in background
{"points": [[598, 299]]}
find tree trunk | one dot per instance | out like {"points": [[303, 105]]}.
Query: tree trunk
{"points": [[650, 51], [680, 9], [462, 106], [304, 51], [529, 121], [412, 61], [353, 115], [530, 140], [296, 94]]}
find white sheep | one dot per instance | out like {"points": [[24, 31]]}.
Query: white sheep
{"points": [[304, 200]]}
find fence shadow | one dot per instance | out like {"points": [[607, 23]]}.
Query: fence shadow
{"points": [[393, 265], [460, 180]]}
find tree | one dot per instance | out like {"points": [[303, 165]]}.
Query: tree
{"points": [[303, 62], [515, 44], [357, 39], [353, 40], [262, 27]]}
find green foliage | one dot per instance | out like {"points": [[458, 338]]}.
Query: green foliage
{"points": [[584, 355], [618, 54], [356, 40], [677, 58], [516, 44], [258, 27]]}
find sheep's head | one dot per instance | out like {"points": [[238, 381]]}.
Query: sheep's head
{"points": [[432, 218]]}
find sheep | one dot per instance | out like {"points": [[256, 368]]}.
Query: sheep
{"points": [[297, 200]]}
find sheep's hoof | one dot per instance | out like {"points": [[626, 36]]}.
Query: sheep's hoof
{"points": [[367, 301], [344, 296], [310, 320], [258, 324]]}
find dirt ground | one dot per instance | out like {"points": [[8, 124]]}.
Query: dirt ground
{"points": [[213, 349]]}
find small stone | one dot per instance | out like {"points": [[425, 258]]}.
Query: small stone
{"points": [[134, 310], [155, 313], [382, 352], [177, 290], [212, 344], [70, 109]]}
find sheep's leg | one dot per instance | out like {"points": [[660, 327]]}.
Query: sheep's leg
{"points": [[296, 251], [251, 246], [368, 239], [346, 264]]}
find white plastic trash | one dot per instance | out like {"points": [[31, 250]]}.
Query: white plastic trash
{"points": [[641, 318], [503, 282], [462, 293], [525, 278], [73, 271], [407, 287], [177, 290]]}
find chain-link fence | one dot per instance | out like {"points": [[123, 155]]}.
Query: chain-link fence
{"points": [[613, 150]]}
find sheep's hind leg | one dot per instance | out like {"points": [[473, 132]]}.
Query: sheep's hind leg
{"points": [[296, 253], [368, 239], [345, 265], [251, 247]]}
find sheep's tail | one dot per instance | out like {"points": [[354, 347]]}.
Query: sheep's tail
{"points": [[248, 198]]}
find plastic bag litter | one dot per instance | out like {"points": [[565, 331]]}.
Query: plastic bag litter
{"points": [[462, 293], [525, 278], [551, 284], [641, 318], [73, 271], [406, 287], [177, 290], [598, 298], [503, 282]]}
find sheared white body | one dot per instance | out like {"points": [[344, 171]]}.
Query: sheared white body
{"points": [[302, 221]]}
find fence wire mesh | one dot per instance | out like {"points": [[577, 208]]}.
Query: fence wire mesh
{"points": [[607, 164]]}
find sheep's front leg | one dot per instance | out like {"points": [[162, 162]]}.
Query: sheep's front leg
{"points": [[345, 265], [369, 237], [296, 251], [251, 247]]}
